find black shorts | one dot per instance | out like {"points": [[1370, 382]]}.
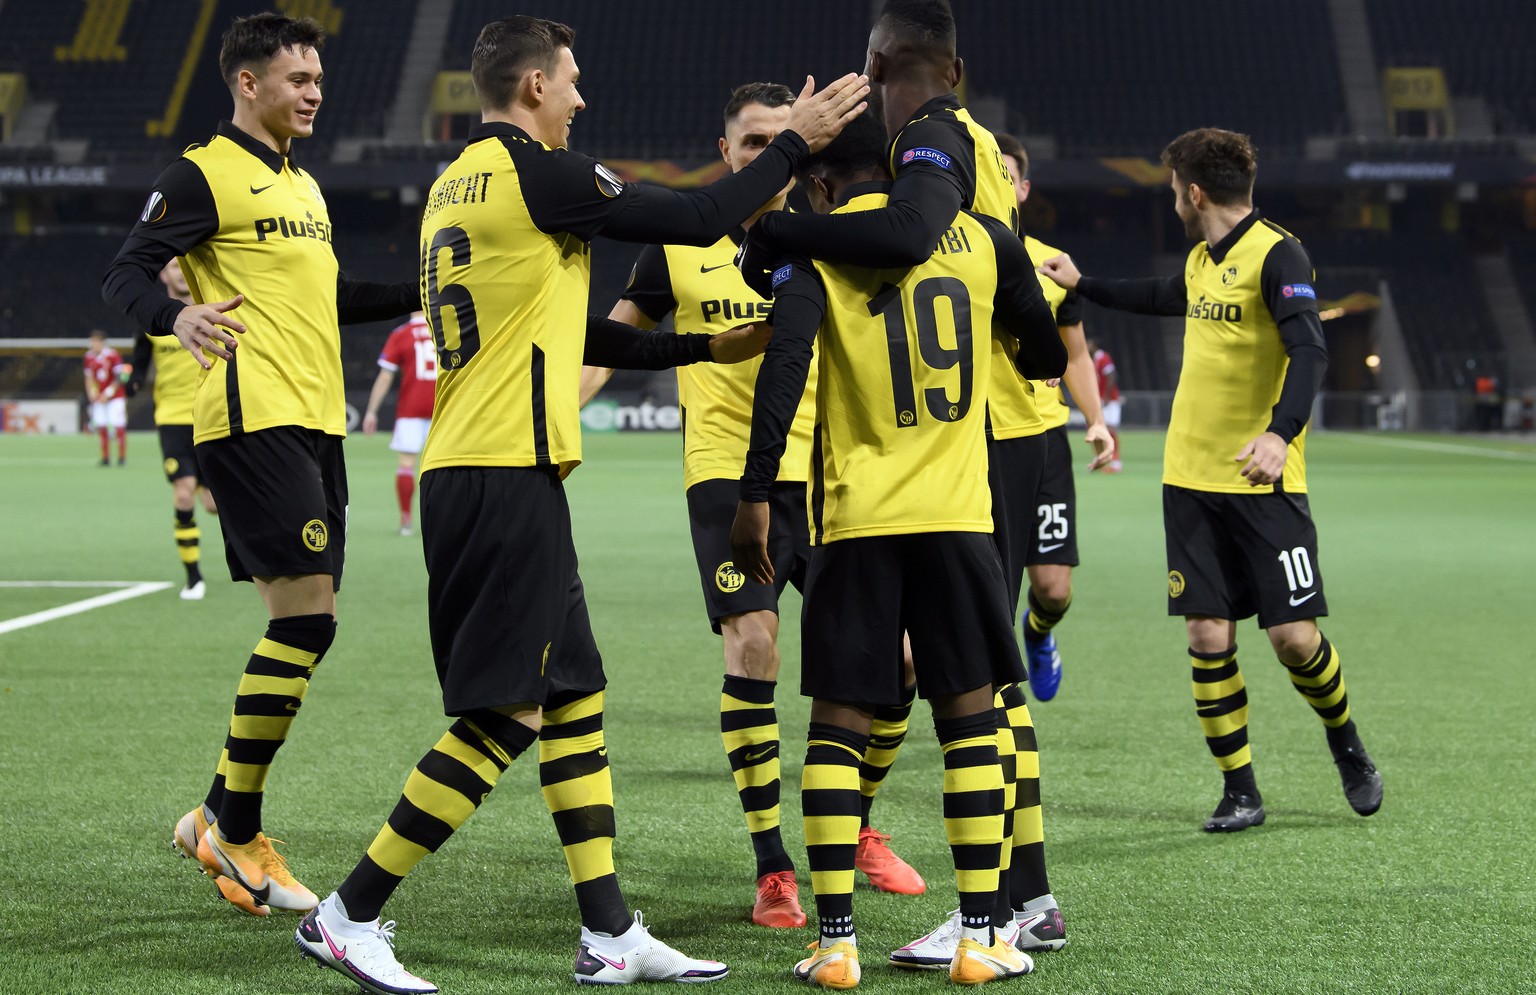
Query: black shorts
{"points": [[1014, 471], [1235, 555], [176, 447], [728, 591], [944, 589], [505, 606], [282, 495], [1055, 538]]}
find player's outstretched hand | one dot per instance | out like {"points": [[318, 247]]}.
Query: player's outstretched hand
{"points": [[1103, 445], [370, 423], [739, 344], [1062, 271], [749, 541], [819, 117], [1265, 457], [198, 328]]}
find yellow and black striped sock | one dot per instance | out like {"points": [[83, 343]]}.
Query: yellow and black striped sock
{"points": [[829, 804], [973, 811], [749, 730], [1042, 619], [1007, 760], [578, 789], [1027, 877], [1321, 681], [886, 735], [444, 790], [270, 694], [1221, 702], [188, 535]]}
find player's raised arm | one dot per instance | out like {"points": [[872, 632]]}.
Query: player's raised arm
{"points": [[577, 194], [1146, 295]]}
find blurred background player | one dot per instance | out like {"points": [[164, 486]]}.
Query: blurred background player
{"points": [[104, 388], [408, 351], [900, 523], [1051, 552], [1109, 391], [1238, 525], [702, 290], [176, 374]]}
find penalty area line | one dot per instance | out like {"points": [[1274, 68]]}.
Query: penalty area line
{"points": [[127, 589]]}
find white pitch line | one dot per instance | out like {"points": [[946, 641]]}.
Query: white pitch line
{"points": [[129, 589], [1437, 447]]}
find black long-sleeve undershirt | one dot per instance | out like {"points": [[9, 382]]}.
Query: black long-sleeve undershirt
{"points": [[618, 346]]}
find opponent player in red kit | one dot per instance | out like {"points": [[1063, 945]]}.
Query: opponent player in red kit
{"points": [[1109, 393], [104, 378], [409, 351]]}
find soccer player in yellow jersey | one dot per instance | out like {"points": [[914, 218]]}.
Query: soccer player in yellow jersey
{"points": [[252, 233], [1239, 530], [701, 289], [1043, 535], [942, 161], [176, 376], [899, 511], [505, 265]]}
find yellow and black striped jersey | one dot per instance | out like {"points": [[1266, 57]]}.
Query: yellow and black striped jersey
{"points": [[904, 363], [1234, 358], [505, 264], [706, 293], [244, 219], [1254, 354]]}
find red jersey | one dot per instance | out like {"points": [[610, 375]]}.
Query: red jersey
{"points": [[411, 353], [103, 368], [1104, 365]]}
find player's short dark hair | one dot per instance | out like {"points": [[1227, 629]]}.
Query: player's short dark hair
{"points": [[1222, 163], [767, 94], [254, 40], [923, 28], [1014, 149], [508, 48], [861, 146]]}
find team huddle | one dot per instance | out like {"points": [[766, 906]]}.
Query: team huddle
{"points": [[903, 420]]}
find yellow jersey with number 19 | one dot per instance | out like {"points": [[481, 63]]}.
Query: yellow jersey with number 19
{"points": [[905, 361]]}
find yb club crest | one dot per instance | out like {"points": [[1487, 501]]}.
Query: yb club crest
{"points": [[314, 535]]}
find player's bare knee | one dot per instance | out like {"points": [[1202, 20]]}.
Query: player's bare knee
{"points": [[1209, 635], [1294, 642], [964, 704], [751, 645], [1053, 590]]}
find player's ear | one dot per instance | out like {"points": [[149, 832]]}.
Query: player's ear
{"points": [[533, 86], [875, 67], [725, 151], [956, 72]]}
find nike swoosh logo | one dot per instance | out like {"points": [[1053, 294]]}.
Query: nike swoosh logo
{"points": [[602, 751], [260, 189], [1046, 549], [617, 965], [292, 706], [1296, 601], [754, 757], [338, 953], [711, 269]]}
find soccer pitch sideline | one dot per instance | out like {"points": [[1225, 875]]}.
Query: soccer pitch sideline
{"points": [[110, 721]]}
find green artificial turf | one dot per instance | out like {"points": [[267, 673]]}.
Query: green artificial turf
{"points": [[111, 720]]}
